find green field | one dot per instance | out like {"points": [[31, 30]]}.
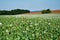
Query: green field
{"points": [[30, 27]]}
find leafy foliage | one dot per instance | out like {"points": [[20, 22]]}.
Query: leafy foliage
{"points": [[46, 11], [13, 12], [21, 28]]}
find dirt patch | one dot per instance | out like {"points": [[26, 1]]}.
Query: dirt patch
{"points": [[56, 11]]}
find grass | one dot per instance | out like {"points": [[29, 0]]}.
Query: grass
{"points": [[34, 27]]}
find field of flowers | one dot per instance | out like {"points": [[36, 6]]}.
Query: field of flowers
{"points": [[34, 28]]}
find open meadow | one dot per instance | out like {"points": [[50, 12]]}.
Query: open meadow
{"points": [[30, 27]]}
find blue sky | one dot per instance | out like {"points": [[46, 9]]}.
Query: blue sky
{"points": [[32, 5]]}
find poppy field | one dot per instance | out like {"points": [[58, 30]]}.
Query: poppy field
{"points": [[26, 28]]}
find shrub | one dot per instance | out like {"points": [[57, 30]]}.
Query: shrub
{"points": [[46, 11]]}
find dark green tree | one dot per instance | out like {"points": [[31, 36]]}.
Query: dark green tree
{"points": [[46, 11], [13, 12]]}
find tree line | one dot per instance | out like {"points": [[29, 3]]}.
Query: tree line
{"points": [[13, 12], [21, 11]]}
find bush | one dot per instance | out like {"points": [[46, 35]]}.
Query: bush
{"points": [[46, 11]]}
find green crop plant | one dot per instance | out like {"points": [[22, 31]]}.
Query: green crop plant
{"points": [[22, 28]]}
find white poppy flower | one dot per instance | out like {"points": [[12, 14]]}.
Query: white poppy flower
{"points": [[58, 26], [24, 31], [10, 25], [32, 34], [7, 30], [44, 31], [0, 23], [36, 24], [31, 23], [52, 36], [27, 28], [49, 23]]}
